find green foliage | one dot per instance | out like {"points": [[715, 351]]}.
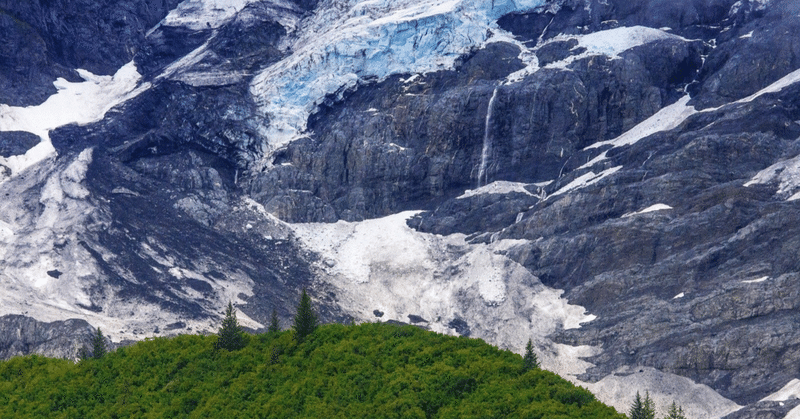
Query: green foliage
{"points": [[643, 408], [365, 371], [230, 336], [675, 412], [529, 360], [83, 353], [306, 320], [274, 326], [98, 345]]}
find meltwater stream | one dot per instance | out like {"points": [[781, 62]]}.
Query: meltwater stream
{"points": [[487, 141]]}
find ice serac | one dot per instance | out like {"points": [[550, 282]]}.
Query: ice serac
{"points": [[352, 42]]}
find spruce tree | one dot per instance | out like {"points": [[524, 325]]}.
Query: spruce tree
{"points": [[98, 345], [230, 335], [530, 361], [274, 326], [305, 321], [83, 353], [643, 409], [675, 412]]}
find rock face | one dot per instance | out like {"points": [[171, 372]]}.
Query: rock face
{"points": [[24, 335], [640, 155], [43, 40]]}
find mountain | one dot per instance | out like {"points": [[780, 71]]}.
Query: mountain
{"points": [[615, 180]]}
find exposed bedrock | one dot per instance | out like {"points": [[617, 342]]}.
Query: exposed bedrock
{"points": [[411, 142]]}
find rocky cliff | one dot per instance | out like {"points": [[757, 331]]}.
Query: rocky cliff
{"points": [[616, 180]]}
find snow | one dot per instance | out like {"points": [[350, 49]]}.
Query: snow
{"points": [[756, 281], [499, 187], [665, 119], [747, 35], [611, 42], [204, 14], [383, 264], [775, 87], [681, 295], [74, 103], [790, 391], [698, 400], [586, 179], [786, 173], [673, 115], [347, 41], [652, 208]]}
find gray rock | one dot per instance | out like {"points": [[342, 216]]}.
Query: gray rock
{"points": [[22, 335]]}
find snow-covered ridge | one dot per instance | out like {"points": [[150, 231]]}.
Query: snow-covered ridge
{"points": [[348, 41]]}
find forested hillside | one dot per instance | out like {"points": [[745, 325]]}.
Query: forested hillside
{"points": [[365, 371]]}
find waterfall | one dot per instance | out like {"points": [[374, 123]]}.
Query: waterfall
{"points": [[487, 140]]}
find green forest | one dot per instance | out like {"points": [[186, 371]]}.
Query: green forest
{"points": [[375, 370]]}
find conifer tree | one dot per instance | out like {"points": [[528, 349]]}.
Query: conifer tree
{"points": [[675, 412], [83, 353], [230, 335], [305, 321], [274, 326], [98, 345], [530, 360], [643, 409]]}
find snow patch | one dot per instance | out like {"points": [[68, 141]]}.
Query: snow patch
{"points": [[586, 179], [383, 264], [681, 295], [756, 281], [499, 187], [656, 207], [665, 119], [786, 173], [74, 103], [698, 400], [790, 391], [204, 14], [611, 42]]}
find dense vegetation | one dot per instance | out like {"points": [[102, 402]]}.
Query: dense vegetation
{"points": [[365, 371]]}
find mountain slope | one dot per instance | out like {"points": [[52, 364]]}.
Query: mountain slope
{"points": [[614, 180]]}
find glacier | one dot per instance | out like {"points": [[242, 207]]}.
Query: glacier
{"points": [[349, 42]]}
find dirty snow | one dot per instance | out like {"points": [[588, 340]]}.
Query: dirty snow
{"points": [[385, 265], [698, 401]]}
